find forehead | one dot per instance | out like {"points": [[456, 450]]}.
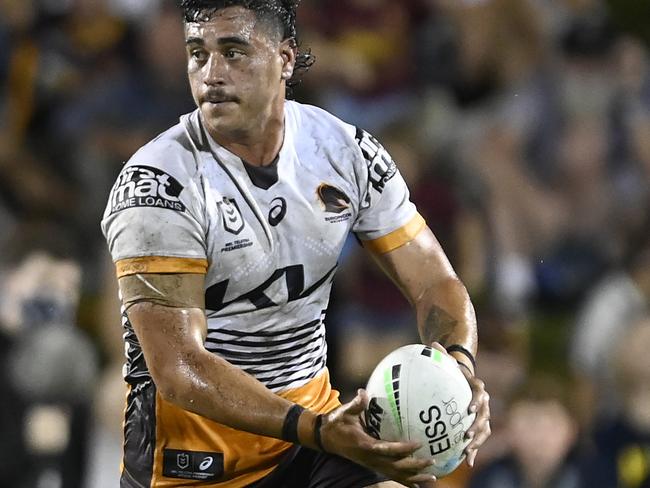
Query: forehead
{"points": [[233, 21]]}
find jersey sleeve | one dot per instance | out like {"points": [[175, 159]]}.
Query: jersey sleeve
{"points": [[387, 219], [153, 221]]}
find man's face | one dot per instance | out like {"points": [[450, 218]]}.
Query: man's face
{"points": [[238, 66]]}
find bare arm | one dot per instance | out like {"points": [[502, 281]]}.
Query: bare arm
{"points": [[189, 376], [442, 305], [196, 380], [445, 316]]}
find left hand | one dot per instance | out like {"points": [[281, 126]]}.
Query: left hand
{"points": [[480, 430]]}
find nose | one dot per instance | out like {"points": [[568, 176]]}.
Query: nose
{"points": [[215, 70]]}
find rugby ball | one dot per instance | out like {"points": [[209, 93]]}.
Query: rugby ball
{"points": [[417, 393]]}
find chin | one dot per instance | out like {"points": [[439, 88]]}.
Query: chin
{"points": [[222, 124], [219, 119]]}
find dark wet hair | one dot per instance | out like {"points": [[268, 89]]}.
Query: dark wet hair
{"points": [[282, 12]]}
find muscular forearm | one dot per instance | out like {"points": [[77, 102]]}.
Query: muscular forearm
{"points": [[444, 311], [189, 376], [445, 314]]}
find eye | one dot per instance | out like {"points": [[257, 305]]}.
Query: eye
{"points": [[234, 54], [198, 55]]}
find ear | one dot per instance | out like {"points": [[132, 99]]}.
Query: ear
{"points": [[288, 53]]}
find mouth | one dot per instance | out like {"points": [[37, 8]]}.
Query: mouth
{"points": [[218, 98]]}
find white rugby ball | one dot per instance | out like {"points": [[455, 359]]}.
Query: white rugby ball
{"points": [[418, 393]]}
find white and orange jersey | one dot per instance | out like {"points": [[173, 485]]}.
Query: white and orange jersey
{"points": [[268, 241]]}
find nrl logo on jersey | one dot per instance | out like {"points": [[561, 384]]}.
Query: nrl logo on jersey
{"points": [[144, 186], [381, 167], [232, 218]]}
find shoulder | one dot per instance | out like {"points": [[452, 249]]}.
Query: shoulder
{"points": [[346, 146], [163, 173], [330, 130], [320, 124], [172, 152]]}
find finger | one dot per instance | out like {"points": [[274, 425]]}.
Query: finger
{"points": [[394, 449], [358, 404], [478, 388], [364, 396], [412, 464], [426, 484], [471, 457], [480, 437], [479, 395], [439, 347], [480, 425], [423, 480], [473, 407], [480, 404]]}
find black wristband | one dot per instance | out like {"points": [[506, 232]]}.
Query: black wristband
{"points": [[462, 350], [463, 365], [290, 426], [317, 426]]}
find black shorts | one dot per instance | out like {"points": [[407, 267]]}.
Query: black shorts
{"points": [[304, 468]]}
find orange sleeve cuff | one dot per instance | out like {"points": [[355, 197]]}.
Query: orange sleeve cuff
{"points": [[397, 238], [162, 265]]}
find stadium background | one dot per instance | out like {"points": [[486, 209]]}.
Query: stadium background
{"points": [[523, 129]]}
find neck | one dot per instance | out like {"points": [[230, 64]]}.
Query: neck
{"points": [[258, 145], [259, 149]]}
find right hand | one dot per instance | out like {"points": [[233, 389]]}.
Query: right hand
{"points": [[342, 433]]}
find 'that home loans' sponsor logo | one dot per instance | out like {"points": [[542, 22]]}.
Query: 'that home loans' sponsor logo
{"points": [[144, 186]]}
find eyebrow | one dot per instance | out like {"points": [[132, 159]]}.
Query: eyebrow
{"points": [[221, 41], [233, 40]]}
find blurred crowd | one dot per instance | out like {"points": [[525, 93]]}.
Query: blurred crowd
{"points": [[523, 130]]}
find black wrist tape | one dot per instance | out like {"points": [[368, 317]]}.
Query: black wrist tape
{"points": [[317, 426], [465, 352], [463, 365], [290, 426]]}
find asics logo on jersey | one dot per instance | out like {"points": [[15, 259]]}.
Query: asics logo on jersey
{"points": [[206, 463], [192, 465], [334, 200], [278, 211], [144, 186], [381, 167], [233, 221]]}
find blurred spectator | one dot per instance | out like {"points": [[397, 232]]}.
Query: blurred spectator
{"points": [[622, 446], [13, 455], [50, 363], [505, 370], [543, 436], [365, 68], [106, 436], [126, 101], [612, 306], [28, 185], [500, 47]]}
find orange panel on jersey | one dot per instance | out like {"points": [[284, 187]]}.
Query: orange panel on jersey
{"points": [[247, 457], [159, 264], [398, 237]]}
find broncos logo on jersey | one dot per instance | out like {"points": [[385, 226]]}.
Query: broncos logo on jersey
{"points": [[334, 200]]}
